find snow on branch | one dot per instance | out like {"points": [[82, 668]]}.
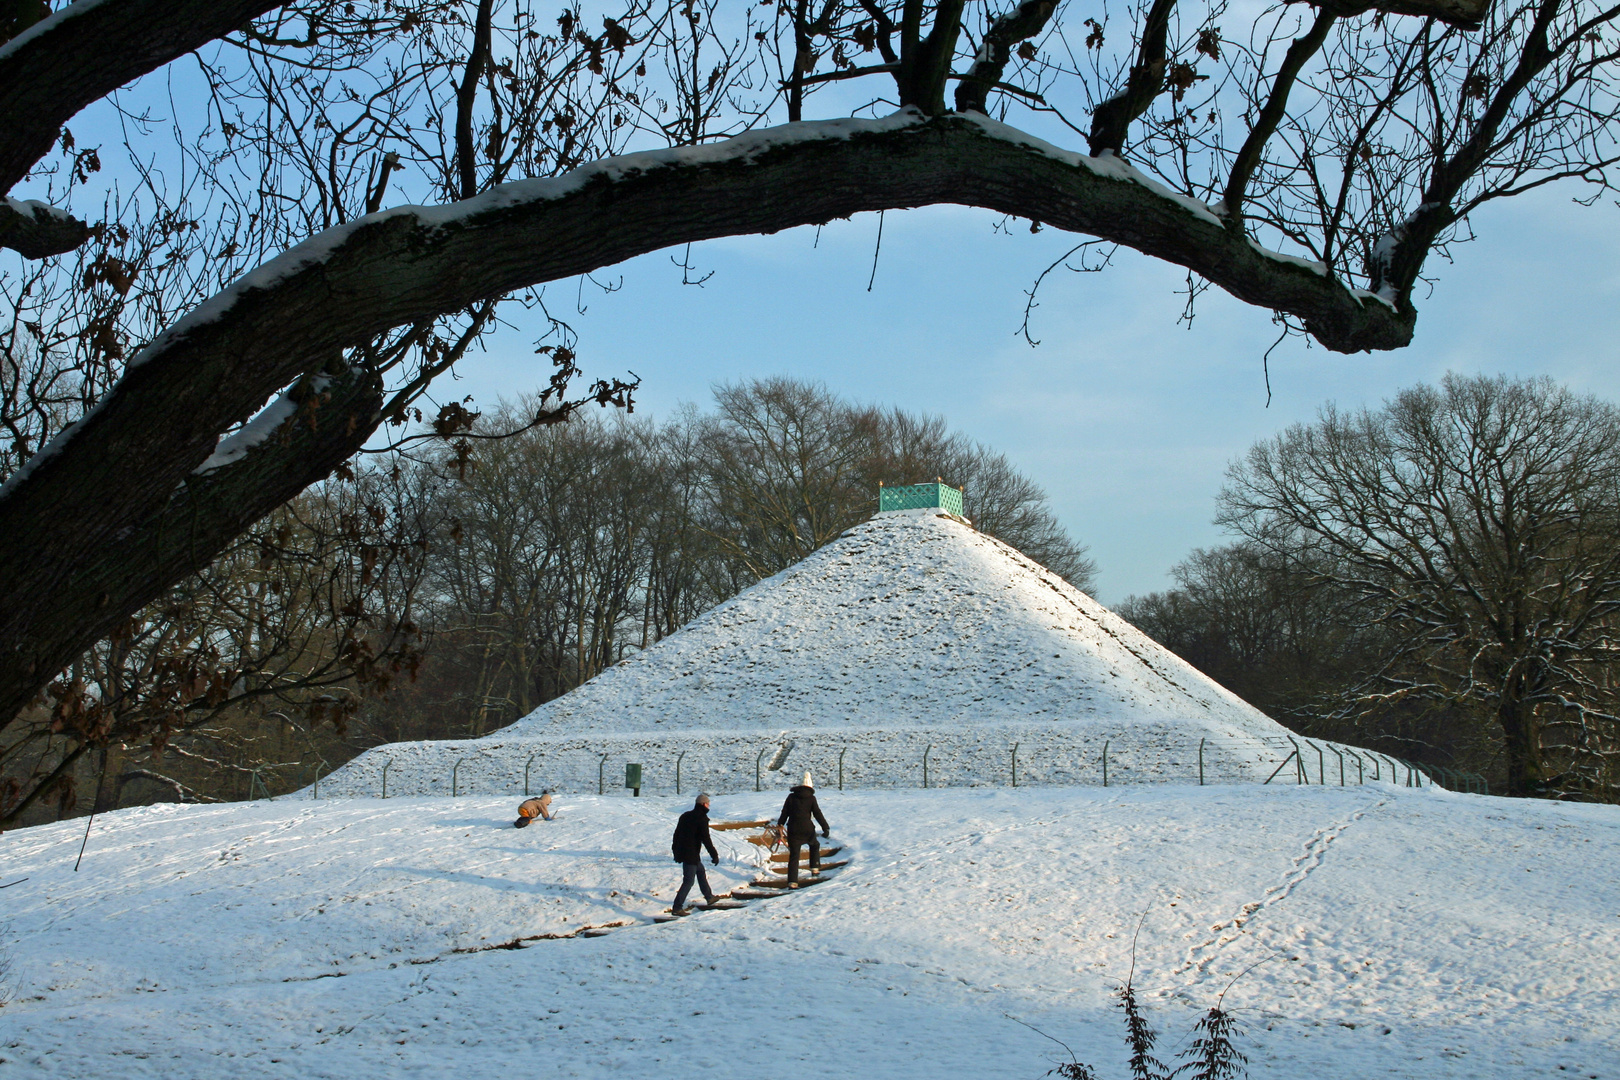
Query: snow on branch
{"points": [[410, 262], [37, 231]]}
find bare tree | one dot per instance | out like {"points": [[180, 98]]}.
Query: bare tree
{"points": [[997, 498], [246, 674], [786, 466], [791, 466], [1307, 163], [1277, 632], [1475, 524], [550, 561]]}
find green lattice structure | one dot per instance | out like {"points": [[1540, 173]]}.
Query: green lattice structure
{"points": [[921, 497]]}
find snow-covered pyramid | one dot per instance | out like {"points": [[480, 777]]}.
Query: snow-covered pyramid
{"points": [[912, 618], [913, 650]]}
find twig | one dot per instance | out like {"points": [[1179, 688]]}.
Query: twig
{"points": [[875, 251], [84, 842]]}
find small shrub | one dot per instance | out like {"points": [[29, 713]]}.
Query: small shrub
{"points": [[8, 985], [1211, 1055]]}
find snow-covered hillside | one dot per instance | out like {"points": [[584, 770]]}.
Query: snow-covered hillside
{"points": [[910, 618], [913, 635], [1409, 933]]}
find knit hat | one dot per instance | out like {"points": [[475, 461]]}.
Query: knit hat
{"points": [[806, 781]]}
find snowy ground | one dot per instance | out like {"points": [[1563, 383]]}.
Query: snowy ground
{"points": [[1411, 933]]}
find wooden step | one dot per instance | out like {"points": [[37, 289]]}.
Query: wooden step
{"points": [[756, 894], [804, 868], [601, 929], [782, 883], [826, 852]]}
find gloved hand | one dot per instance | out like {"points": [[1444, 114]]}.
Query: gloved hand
{"points": [[826, 834], [714, 860]]}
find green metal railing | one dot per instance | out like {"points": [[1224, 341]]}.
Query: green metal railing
{"points": [[921, 497]]}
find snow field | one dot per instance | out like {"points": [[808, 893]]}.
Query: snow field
{"points": [[1409, 932]]}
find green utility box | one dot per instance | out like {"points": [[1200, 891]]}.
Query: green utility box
{"points": [[921, 497], [632, 778]]}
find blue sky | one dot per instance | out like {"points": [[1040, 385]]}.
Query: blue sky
{"points": [[1127, 419]]}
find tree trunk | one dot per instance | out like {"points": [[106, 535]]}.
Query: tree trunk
{"points": [[95, 573], [80, 55], [1521, 744], [108, 786]]}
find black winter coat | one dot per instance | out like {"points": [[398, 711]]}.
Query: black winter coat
{"points": [[692, 836], [798, 811]]}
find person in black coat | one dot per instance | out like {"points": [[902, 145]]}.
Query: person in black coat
{"points": [[691, 837], [800, 814]]}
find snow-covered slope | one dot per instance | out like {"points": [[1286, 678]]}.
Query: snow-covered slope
{"points": [[912, 637], [1405, 933], [910, 618]]}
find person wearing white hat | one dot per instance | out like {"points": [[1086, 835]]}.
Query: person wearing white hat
{"points": [[800, 814]]}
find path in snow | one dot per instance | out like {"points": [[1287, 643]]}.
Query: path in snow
{"points": [[1408, 933]]}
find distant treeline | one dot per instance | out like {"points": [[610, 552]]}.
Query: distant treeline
{"points": [[1438, 578], [445, 592]]}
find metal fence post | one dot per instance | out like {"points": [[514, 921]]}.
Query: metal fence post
{"points": [[1015, 764], [1361, 769], [757, 759], [1321, 766], [678, 758], [1200, 762], [455, 777], [387, 763], [1105, 762], [841, 754], [601, 777], [1340, 756], [1281, 767], [526, 765], [1375, 765], [318, 778], [925, 764], [1300, 776]]}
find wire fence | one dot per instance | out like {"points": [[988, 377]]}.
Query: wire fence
{"points": [[869, 759]]}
